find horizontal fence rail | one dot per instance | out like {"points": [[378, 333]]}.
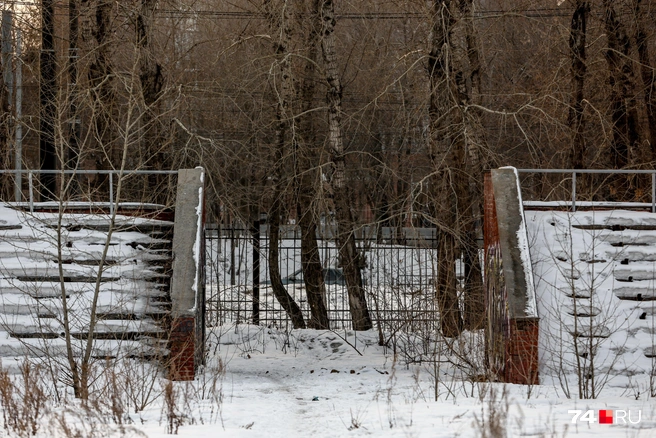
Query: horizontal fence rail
{"points": [[572, 173]]}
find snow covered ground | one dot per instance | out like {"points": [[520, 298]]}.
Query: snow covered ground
{"points": [[334, 384]]}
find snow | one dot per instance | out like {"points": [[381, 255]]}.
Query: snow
{"points": [[567, 205], [302, 383], [531, 309], [196, 250], [313, 383], [32, 293], [287, 383], [590, 255]]}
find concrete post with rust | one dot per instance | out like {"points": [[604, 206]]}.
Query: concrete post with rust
{"points": [[187, 337]]}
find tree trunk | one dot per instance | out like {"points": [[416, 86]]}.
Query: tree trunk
{"points": [[624, 116], [286, 301], [73, 151], [577, 42], [305, 181], [474, 134], [471, 187], [96, 32], [282, 27], [442, 88], [150, 70], [447, 297], [312, 270], [348, 253], [151, 76], [647, 75]]}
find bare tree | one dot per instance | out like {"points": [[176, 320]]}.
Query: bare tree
{"points": [[473, 164], [442, 145], [625, 137], [280, 17], [646, 74], [349, 256], [307, 178], [577, 46]]}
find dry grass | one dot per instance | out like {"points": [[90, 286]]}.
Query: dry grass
{"points": [[23, 400]]}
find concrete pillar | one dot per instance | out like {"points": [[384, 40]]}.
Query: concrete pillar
{"points": [[187, 336], [512, 332]]}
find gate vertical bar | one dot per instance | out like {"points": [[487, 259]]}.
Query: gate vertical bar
{"points": [[232, 255], [256, 272]]}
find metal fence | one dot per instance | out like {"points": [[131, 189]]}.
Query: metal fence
{"points": [[574, 188], [398, 279], [105, 189]]}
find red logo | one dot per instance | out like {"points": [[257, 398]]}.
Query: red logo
{"points": [[606, 416]]}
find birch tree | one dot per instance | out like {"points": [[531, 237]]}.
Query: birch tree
{"points": [[348, 252], [307, 178], [279, 15]]}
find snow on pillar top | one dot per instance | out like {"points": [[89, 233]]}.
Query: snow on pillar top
{"points": [[517, 268]]}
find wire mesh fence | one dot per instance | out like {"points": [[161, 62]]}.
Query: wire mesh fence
{"points": [[398, 278]]}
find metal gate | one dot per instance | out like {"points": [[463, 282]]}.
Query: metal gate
{"points": [[398, 278]]}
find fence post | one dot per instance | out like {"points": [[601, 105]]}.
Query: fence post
{"points": [[111, 193], [573, 191], [653, 192], [256, 272], [31, 183]]}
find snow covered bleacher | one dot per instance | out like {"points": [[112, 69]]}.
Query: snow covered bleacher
{"points": [[123, 277], [595, 278]]}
